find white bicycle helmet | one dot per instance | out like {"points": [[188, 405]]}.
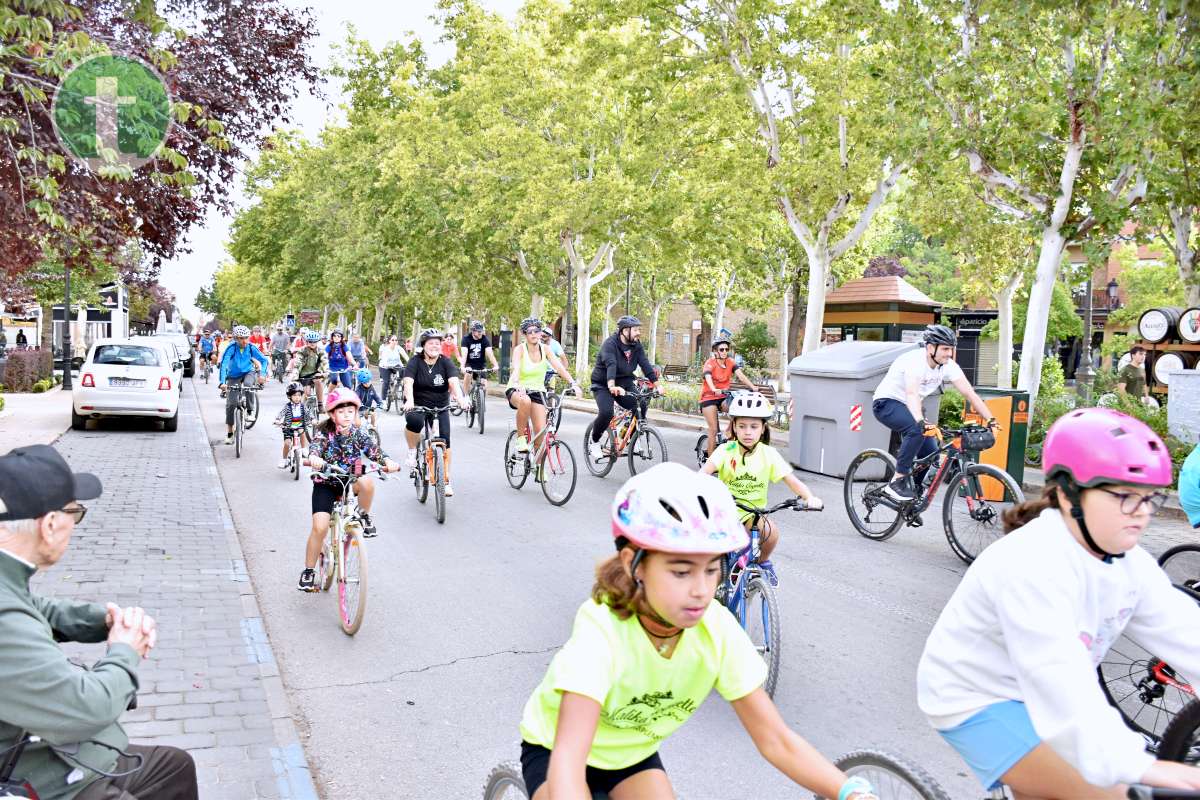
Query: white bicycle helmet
{"points": [[240, 332], [751, 404], [312, 337], [672, 509]]}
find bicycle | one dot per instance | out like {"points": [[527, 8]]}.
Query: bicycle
{"points": [[553, 459], [744, 583], [294, 457], [395, 398], [431, 463], [279, 363], [507, 782], [478, 398], [333, 381], [241, 412], [343, 558], [206, 368], [701, 447], [1181, 739], [970, 525], [627, 430]]}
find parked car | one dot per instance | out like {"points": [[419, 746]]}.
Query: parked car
{"points": [[134, 377], [180, 358], [184, 342]]}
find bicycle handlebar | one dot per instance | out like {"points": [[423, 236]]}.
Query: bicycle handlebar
{"points": [[794, 503], [487, 371], [429, 410], [334, 472]]}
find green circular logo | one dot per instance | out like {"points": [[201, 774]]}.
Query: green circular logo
{"points": [[112, 111]]}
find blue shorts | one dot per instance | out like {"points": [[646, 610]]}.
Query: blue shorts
{"points": [[994, 740]]}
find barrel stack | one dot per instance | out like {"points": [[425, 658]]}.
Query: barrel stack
{"points": [[1172, 337]]}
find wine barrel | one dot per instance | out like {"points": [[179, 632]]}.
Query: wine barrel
{"points": [[1159, 324], [1168, 362], [1189, 325]]}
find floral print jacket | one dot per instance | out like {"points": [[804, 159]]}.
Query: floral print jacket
{"points": [[344, 450]]}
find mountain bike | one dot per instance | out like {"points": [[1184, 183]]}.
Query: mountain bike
{"points": [[431, 463], [976, 494], [630, 431], [241, 412], [343, 558], [745, 585], [478, 397], [552, 462]]}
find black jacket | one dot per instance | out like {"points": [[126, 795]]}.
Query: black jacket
{"points": [[617, 361]]}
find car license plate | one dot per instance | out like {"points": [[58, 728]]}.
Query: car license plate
{"points": [[126, 382]]}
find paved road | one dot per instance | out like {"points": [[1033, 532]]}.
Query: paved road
{"points": [[463, 619]]}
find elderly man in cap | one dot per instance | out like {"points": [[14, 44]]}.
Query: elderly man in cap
{"points": [[59, 737]]}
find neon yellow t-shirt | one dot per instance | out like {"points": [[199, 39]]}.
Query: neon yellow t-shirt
{"points": [[749, 477], [643, 697]]}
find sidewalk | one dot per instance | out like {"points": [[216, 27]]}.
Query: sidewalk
{"points": [[1035, 480], [34, 418], [162, 537]]}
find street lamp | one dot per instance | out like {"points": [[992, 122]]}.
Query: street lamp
{"points": [[1114, 299], [1088, 375]]}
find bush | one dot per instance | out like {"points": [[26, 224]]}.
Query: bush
{"points": [[753, 341], [27, 367], [950, 413]]}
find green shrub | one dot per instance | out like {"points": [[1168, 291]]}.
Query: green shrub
{"points": [[39, 387], [950, 414], [27, 367], [753, 341]]}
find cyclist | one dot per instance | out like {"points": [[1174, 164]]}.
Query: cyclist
{"points": [[612, 377], [475, 347], [429, 377], [391, 361], [748, 465], [1008, 676], [1189, 487], [237, 365], [311, 366], [207, 346], [449, 348], [911, 378], [339, 359], [293, 417], [646, 650], [719, 372], [340, 442], [360, 351], [526, 383], [557, 351], [280, 345], [367, 397], [257, 339]]}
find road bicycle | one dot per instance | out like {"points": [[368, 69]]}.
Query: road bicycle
{"points": [[343, 557], [701, 447], [1145, 689], [242, 419], [478, 408], [551, 462], [976, 494], [431, 463], [630, 431], [895, 777], [745, 585]]}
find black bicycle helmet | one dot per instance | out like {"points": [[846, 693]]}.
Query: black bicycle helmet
{"points": [[940, 334], [628, 321], [294, 387], [476, 326], [430, 333]]}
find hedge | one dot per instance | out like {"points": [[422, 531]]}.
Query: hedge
{"points": [[26, 367]]}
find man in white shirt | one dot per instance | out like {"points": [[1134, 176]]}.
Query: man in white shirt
{"points": [[898, 401]]}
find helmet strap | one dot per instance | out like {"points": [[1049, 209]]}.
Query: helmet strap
{"points": [[1073, 494]]}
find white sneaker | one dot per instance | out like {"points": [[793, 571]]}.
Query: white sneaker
{"points": [[596, 451], [410, 461], [522, 444], [449, 490], [284, 463], [229, 438]]}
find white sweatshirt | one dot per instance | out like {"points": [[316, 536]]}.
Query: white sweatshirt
{"points": [[1032, 619]]}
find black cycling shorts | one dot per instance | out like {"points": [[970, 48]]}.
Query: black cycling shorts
{"points": [[324, 496], [534, 397], [535, 764], [716, 401], [307, 380]]}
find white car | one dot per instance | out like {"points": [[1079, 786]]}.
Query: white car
{"points": [[136, 377], [173, 349], [184, 344]]}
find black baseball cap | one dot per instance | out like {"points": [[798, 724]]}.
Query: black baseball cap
{"points": [[36, 480]]}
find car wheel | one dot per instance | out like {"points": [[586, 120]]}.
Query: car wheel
{"points": [[78, 421], [171, 425]]}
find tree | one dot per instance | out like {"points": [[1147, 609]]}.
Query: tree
{"points": [[753, 341], [1147, 286]]}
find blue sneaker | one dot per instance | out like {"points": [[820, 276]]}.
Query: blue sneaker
{"points": [[768, 569]]}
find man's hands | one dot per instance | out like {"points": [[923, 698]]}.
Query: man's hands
{"points": [[409, 405], [616, 391], [131, 626]]}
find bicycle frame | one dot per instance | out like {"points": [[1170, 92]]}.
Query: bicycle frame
{"points": [[632, 418], [548, 433]]}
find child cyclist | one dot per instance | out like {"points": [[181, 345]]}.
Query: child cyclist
{"points": [[647, 649], [1008, 676], [367, 396], [340, 442], [748, 465], [293, 417]]}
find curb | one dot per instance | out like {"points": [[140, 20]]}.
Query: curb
{"points": [[293, 776]]}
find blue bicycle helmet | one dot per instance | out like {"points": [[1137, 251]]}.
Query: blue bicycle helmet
{"points": [[364, 376]]}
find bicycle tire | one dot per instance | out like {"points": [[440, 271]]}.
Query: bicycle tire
{"points": [[482, 410], [870, 503], [515, 463], [646, 444], [1181, 739], [603, 466], [251, 400], [1182, 570], [558, 461], [352, 608], [439, 485], [988, 516], [325, 565], [767, 614], [505, 782], [701, 450], [420, 476], [1128, 678], [295, 463], [894, 777], [238, 428]]}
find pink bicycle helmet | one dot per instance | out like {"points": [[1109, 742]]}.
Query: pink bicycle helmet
{"points": [[669, 508], [341, 397], [1095, 446]]}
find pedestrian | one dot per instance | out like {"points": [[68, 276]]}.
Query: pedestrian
{"points": [[1131, 380], [22, 340], [1189, 487], [391, 360], [80, 752]]}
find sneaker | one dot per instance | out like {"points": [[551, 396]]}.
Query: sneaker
{"points": [[308, 581], [768, 570], [229, 438], [410, 461], [448, 490], [522, 444], [284, 463], [596, 451], [368, 527], [900, 490]]}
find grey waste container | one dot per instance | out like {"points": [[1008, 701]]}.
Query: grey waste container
{"points": [[831, 393]]}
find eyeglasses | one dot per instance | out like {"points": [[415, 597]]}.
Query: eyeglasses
{"points": [[1131, 502], [78, 511], [722, 349]]}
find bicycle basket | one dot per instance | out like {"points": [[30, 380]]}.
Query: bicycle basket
{"points": [[977, 439]]}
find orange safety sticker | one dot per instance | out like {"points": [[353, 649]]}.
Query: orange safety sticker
{"points": [[1021, 417]]}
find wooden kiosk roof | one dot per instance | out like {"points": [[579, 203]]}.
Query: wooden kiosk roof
{"points": [[888, 289]]}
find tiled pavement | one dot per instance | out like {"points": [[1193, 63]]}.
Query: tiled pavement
{"points": [[162, 537]]}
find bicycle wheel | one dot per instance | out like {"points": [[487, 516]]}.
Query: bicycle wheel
{"points": [[482, 406], [602, 466], [238, 429], [439, 485], [421, 475], [325, 565], [505, 782], [972, 510], [1182, 565], [894, 777], [701, 450], [251, 409], [1142, 687], [295, 462], [516, 465], [761, 621], [558, 473], [352, 581], [646, 450], [862, 491], [471, 414], [1181, 739]]}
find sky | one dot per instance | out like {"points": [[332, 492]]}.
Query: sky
{"points": [[379, 23]]}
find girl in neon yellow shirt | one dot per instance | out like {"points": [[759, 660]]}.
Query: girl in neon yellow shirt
{"points": [[648, 647]]}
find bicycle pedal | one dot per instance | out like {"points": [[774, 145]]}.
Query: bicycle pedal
{"points": [[914, 521]]}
